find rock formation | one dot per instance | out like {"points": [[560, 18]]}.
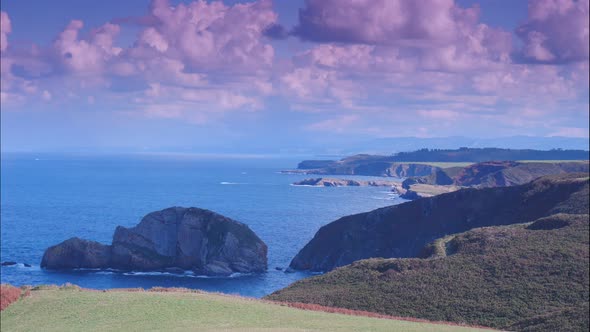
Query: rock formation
{"points": [[331, 182], [172, 239]]}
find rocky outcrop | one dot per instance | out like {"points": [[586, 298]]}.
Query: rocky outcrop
{"points": [[175, 238], [364, 165], [403, 230], [481, 174], [314, 164], [330, 182], [77, 253], [490, 174], [510, 173]]}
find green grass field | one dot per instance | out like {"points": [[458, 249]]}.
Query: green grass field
{"points": [[465, 164], [553, 161], [439, 164], [71, 309]]}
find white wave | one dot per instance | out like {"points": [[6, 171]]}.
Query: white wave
{"points": [[383, 198], [133, 273], [231, 183]]}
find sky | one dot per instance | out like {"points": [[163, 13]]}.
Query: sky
{"points": [[162, 75]]}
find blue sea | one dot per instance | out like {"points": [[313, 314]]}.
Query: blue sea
{"points": [[46, 199]]}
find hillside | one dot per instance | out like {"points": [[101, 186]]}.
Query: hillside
{"points": [[503, 173], [527, 277], [403, 230], [492, 172], [469, 155], [72, 309]]}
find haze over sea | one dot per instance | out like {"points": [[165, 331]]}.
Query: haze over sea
{"points": [[47, 199]]}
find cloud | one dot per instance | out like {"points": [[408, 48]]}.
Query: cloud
{"points": [[338, 124], [5, 29], [406, 23], [570, 132], [384, 64], [207, 55], [209, 35], [86, 56], [556, 31]]}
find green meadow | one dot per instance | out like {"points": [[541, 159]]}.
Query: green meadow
{"points": [[72, 309]]}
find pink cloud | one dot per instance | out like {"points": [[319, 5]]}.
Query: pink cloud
{"points": [[403, 23], [5, 29], [86, 56], [376, 21], [208, 35], [556, 31], [439, 114], [339, 124]]}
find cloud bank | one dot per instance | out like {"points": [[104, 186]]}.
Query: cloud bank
{"points": [[364, 65]]}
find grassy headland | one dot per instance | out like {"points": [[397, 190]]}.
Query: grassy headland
{"points": [[531, 276], [73, 309]]}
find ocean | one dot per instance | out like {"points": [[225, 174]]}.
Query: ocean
{"points": [[46, 199]]}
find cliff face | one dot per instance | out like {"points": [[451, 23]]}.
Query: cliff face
{"points": [[191, 239], [375, 168], [185, 238], [365, 165], [510, 173], [77, 253], [497, 173], [482, 174], [331, 182], [523, 277], [403, 230]]}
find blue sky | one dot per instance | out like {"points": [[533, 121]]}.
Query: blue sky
{"points": [[256, 75]]}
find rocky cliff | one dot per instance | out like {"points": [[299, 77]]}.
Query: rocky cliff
{"points": [[331, 182], [365, 165], [522, 277], [403, 230], [497, 173], [175, 238]]}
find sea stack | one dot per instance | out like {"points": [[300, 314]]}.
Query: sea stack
{"points": [[182, 238]]}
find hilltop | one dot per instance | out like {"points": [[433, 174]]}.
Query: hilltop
{"points": [[509, 257], [403, 230], [531, 276], [464, 155]]}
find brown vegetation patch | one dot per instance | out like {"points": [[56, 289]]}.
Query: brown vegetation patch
{"points": [[10, 294]]}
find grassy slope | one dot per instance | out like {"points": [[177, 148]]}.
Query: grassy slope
{"points": [[70, 309], [518, 276]]}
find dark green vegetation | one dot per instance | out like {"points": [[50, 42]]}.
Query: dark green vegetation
{"points": [[527, 276], [448, 155], [403, 230], [497, 173], [484, 154], [531, 273]]}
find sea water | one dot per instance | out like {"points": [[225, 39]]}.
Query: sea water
{"points": [[46, 199]]}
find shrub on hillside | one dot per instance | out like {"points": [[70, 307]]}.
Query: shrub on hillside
{"points": [[8, 295]]}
